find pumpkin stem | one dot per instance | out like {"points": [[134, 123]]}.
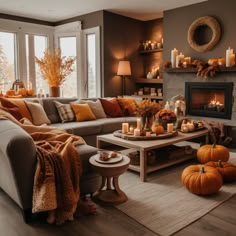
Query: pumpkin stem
{"points": [[220, 164], [202, 169], [214, 145]]}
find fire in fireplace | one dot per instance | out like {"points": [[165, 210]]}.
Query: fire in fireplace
{"points": [[210, 99]]}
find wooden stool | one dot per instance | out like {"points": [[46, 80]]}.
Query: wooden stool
{"points": [[110, 172]]}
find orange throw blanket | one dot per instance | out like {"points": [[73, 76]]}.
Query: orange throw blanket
{"points": [[57, 177]]}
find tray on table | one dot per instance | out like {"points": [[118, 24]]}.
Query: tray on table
{"points": [[131, 137]]}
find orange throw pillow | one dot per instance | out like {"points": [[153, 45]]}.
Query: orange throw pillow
{"points": [[82, 112], [14, 111], [128, 106], [111, 107], [19, 103]]}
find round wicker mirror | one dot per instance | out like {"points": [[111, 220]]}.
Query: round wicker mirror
{"points": [[205, 21]]}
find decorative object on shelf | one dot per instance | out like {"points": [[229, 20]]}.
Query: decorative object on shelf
{"points": [[174, 54], [230, 57], [209, 22], [17, 84], [148, 45], [123, 71], [165, 116], [179, 60], [55, 68]]}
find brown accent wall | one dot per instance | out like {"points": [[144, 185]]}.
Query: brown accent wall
{"points": [[25, 19], [176, 24], [121, 42]]}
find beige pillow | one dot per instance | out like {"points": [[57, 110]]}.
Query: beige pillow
{"points": [[96, 108], [38, 114], [65, 112]]}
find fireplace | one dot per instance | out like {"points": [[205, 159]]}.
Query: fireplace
{"points": [[209, 99]]}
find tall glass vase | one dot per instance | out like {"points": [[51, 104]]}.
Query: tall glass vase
{"points": [[147, 122]]}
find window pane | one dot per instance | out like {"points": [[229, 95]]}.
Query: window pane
{"points": [[40, 45], [68, 49], [91, 66], [7, 60], [35, 46]]}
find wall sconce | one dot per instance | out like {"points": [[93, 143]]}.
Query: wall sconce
{"points": [[123, 70]]}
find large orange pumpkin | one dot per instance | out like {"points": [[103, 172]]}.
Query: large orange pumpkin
{"points": [[213, 152], [226, 169], [202, 180]]}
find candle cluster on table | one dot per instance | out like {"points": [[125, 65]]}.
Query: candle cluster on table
{"points": [[179, 60], [187, 126]]}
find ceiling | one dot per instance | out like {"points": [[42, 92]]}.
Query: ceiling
{"points": [[56, 10]]}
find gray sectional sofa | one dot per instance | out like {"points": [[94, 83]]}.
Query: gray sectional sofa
{"points": [[18, 153]]}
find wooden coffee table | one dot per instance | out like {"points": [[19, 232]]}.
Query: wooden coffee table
{"points": [[145, 146], [111, 195]]}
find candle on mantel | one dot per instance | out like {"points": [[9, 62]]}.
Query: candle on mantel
{"points": [[174, 54], [187, 60], [229, 51], [139, 124], [179, 59], [125, 128]]}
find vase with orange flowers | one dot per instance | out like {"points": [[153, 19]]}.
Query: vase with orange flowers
{"points": [[146, 109], [55, 69]]}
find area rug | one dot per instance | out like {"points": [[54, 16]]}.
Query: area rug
{"points": [[163, 205]]}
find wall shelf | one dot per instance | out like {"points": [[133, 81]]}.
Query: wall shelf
{"points": [[148, 96], [194, 70], [149, 81], [150, 51]]}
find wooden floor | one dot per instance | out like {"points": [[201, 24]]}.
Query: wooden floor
{"points": [[110, 221]]}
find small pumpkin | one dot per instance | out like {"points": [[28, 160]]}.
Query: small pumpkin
{"points": [[213, 152], [226, 169], [157, 128], [202, 180]]}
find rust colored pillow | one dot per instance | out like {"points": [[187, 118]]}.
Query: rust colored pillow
{"points": [[128, 106], [19, 103], [14, 111], [111, 107]]}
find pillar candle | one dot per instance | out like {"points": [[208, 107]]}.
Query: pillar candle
{"points": [[125, 128], [174, 54], [232, 59], [139, 123], [187, 60], [179, 59], [131, 129], [170, 127], [136, 132], [229, 51], [148, 134]]}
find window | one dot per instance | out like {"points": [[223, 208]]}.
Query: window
{"points": [[68, 49], [7, 60], [91, 43], [35, 46]]}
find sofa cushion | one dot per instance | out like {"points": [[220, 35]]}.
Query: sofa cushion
{"points": [[38, 114], [14, 111], [19, 103], [65, 112], [85, 152], [83, 112], [50, 107], [84, 128], [111, 107], [96, 108]]}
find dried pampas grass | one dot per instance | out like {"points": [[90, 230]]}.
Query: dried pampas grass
{"points": [[55, 68]]}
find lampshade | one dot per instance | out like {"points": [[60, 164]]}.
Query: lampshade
{"points": [[124, 68]]}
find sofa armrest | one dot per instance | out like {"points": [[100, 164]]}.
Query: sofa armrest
{"points": [[17, 163]]}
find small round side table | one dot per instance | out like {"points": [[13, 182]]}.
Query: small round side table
{"points": [[110, 174]]}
